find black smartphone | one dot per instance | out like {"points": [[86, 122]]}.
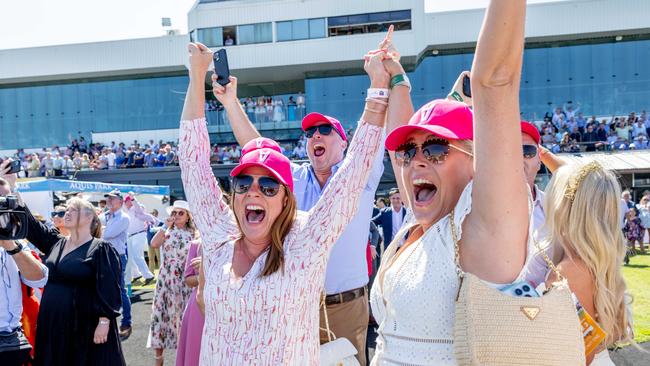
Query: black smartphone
{"points": [[14, 167], [467, 88], [220, 59]]}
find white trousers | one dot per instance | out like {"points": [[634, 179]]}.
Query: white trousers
{"points": [[136, 265]]}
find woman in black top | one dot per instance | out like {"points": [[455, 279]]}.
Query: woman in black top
{"points": [[76, 322]]}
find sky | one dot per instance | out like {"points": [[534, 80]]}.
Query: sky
{"points": [[33, 23]]}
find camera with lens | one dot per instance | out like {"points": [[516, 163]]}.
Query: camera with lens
{"points": [[13, 220]]}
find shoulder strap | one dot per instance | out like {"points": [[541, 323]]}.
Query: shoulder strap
{"points": [[459, 269]]}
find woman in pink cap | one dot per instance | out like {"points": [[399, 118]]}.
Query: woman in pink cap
{"points": [[454, 164], [263, 262]]}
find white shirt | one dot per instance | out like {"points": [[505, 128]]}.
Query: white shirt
{"points": [[413, 300], [111, 159], [537, 267], [11, 295], [397, 221], [138, 218]]}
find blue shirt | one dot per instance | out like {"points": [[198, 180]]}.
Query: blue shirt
{"points": [[347, 268], [11, 294], [115, 232]]}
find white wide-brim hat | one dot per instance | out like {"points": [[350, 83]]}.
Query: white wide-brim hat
{"points": [[178, 204]]}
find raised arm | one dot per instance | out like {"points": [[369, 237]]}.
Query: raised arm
{"points": [[340, 200], [212, 215], [242, 127], [499, 216]]}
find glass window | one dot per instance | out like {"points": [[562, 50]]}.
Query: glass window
{"points": [[283, 30], [369, 23], [337, 21], [254, 33], [379, 17], [358, 19], [400, 15], [317, 28], [301, 29], [211, 37]]}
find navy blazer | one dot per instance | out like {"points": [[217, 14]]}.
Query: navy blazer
{"points": [[385, 220]]}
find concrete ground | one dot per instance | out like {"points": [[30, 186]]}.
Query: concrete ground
{"points": [[136, 352]]}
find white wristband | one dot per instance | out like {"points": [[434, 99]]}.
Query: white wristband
{"points": [[378, 93]]}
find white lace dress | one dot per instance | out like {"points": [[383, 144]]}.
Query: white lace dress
{"points": [[271, 320], [414, 302]]}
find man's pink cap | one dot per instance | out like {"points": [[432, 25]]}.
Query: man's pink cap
{"points": [[313, 118], [274, 162], [260, 143], [128, 198], [530, 130], [448, 119]]}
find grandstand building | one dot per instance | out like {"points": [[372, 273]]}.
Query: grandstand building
{"points": [[589, 52]]}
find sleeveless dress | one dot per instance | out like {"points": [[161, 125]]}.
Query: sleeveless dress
{"points": [[413, 300]]}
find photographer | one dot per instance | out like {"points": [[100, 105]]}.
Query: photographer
{"points": [[81, 300], [16, 265]]}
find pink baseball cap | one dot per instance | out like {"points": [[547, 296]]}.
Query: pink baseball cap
{"points": [[313, 118], [448, 119], [530, 130], [260, 143], [277, 164]]}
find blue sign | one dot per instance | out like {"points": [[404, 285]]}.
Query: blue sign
{"points": [[56, 185]]}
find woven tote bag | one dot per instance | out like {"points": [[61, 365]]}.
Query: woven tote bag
{"points": [[493, 328]]}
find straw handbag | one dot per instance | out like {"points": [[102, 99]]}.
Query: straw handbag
{"points": [[493, 328], [337, 351]]}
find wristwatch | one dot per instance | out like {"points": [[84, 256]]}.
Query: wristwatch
{"points": [[16, 250]]}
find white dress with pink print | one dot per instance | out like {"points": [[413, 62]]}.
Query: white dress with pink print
{"points": [[271, 320]]}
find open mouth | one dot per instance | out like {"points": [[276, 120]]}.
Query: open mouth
{"points": [[424, 191], [255, 214], [319, 150]]}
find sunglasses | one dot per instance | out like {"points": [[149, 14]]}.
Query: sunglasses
{"points": [[434, 150], [58, 213], [322, 129], [530, 151], [268, 186], [178, 213]]}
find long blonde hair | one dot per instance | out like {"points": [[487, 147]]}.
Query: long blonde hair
{"points": [[86, 208], [583, 217]]}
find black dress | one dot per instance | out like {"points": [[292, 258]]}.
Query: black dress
{"points": [[81, 287]]}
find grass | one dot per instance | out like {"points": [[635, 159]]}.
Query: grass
{"points": [[637, 276]]}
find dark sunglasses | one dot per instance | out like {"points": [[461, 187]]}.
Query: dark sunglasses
{"points": [[434, 150], [530, 151], [268, 186], [322, 129], [179, 213], [58, 213]]}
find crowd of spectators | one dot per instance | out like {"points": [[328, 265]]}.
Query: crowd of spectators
{"points": [[263, 109], [80, 155], [566, 129]]}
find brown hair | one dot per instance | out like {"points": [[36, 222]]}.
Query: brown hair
{"points": [[87, 208], [279, 231]]}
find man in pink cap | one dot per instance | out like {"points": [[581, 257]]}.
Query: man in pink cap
{"points": [[346, 279]]}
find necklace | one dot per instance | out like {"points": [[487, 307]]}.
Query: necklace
{"points": [[250, 258]]}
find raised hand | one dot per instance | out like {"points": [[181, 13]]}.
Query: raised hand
{"points": [[4, 173], [379, 77], [457, 91], [200, 58], [224, 94]]}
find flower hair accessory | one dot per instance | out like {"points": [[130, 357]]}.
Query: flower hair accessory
{"points": [[576, 180]]}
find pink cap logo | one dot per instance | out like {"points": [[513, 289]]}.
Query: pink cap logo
{"points": [[425, 113], [258, 142], [264, 154]]}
